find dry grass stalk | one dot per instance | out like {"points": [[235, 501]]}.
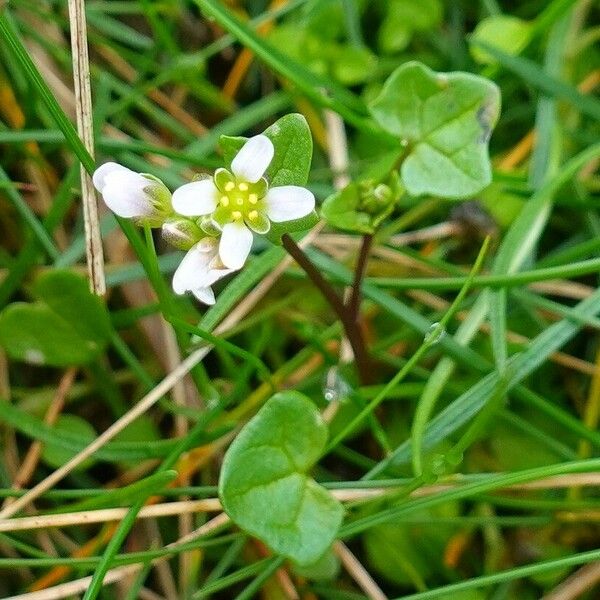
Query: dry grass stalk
{"points": [[356, 570], [140, 408], [85, 127], [64, 590]]}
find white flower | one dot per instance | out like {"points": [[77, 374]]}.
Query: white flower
{"points": [[199, 269], [133, 195], [239, 202]]}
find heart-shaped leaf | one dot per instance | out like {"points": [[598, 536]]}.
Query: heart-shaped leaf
{"points": [[264, 485], [68, 326], [445, 121]]}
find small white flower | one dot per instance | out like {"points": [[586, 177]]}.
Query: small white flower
{"points": [[132, 195], [239, 202], [199, 269]]}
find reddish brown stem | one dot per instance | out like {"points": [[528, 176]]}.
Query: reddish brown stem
{"points": [[351, 327]]}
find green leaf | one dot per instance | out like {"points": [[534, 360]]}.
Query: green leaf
{"points": [[505, 32], [264, 486], [278, 229], [293, 144], [68, 295], [72, 441], [353, 65], [417, 16], [445, 121], [68, 326], [403, 18], [411, 553], [231, 145], [326, 568], [293, 151], [55, 454]]}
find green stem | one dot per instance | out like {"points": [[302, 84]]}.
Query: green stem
{"points": [[430, 340]]}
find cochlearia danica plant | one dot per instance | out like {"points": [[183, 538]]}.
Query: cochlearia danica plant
{"points": [[437, 127], [339, 337]]}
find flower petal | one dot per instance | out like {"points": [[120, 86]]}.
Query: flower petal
{"points": [[289, 202], [194, 267], [236, 241], [196, 198], [214, 275], [101, 173], [124, 192], [255, 156], [205, 295]]}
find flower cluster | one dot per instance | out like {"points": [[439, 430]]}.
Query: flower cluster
{"points": [[212, 218]]}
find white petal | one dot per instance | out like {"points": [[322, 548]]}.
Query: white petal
{"points": [[196, 198], [100, 174], [214, 275], [236, 241], [255, 156], [289, 202], [123, 192], [205, 295], [194, 268]]}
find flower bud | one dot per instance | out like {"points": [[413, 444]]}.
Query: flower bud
{"points": [[132, 195], [181, 233]]}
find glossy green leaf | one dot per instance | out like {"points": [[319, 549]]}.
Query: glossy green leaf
{"points": [[445, 121], [293, 151], [68, 326], [264, 483]]}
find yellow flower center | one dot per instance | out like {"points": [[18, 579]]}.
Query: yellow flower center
{"points": [[239, 200]]}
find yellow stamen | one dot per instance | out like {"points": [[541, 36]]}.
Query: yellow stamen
{"points": [[229, 186], [253, 198], [236, 214], [243, 187], [253, 215], [224, 200]]}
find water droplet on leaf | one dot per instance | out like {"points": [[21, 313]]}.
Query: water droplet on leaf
{"points": [[335, 387], [435, 334]]}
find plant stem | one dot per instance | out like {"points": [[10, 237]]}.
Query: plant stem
{"points": [[359, 273], [351, 327]]}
